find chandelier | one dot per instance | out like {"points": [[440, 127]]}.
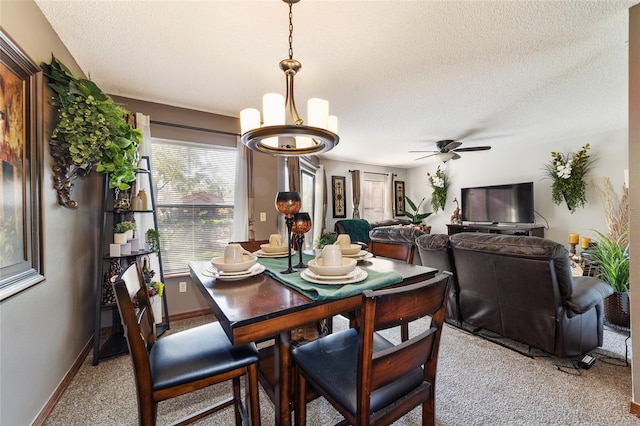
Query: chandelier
{"points": [[273, 135]]}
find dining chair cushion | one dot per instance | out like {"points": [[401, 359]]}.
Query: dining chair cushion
{"points": [[332, 362], [196, 353]]}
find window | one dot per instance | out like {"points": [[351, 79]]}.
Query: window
{"points": [[194, 187], [373, 196]]}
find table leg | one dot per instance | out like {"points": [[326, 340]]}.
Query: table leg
{"points": [[283, 378]]}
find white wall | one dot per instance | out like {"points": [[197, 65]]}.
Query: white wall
{"points": [[502, 165]]}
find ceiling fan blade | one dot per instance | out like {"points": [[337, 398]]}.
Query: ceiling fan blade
{"points": [[455, 156], [425, 151], [468, 134], [474, 148], [451, 145], [425, 156]]}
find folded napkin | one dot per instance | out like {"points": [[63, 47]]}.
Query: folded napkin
{"points": [[315, 291]]}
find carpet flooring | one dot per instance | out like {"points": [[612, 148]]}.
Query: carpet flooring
{"points": [[479, 383]]}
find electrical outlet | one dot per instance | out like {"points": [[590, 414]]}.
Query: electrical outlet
{"points": [[263, 216], [183, 287]]}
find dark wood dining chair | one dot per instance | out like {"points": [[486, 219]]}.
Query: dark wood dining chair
{"points": [[181, 362], [251, 245], [367, 378], [403, 252], [398, 251]]}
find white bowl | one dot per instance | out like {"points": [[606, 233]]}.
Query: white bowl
{"points": [[352, 249], [268, 248], [248, 261], [318, 268]]}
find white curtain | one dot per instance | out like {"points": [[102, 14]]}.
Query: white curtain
{"points": [[319, 205], [240, 204], [388, 196], [145, 221]]}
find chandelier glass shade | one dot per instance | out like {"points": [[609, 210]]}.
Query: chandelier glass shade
{"points": [[272, 134]]}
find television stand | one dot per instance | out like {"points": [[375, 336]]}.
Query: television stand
{"points": [[530, 230]]}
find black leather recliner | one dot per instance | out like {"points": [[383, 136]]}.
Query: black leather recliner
{"points": [[522, 288]]}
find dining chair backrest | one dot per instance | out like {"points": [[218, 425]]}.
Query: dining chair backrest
{"points": [[393, 250], [251, 245], [383, 309], [139, 324]]}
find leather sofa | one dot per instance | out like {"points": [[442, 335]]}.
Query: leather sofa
{"points": [[358, 229], [520, 287]]}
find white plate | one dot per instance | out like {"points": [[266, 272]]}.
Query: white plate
{"points": [[261, 253], [233, 276], [362, 254], [354, 276]]}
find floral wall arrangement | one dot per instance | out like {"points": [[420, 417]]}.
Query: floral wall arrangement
{"points": [[439, 181], [568, 173]]}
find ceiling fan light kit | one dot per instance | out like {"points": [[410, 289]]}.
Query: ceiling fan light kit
{"points": [[273, 135]]}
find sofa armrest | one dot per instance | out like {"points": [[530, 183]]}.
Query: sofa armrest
{"points": [[587, 293]]}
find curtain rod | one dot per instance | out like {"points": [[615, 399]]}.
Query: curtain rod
{"points": [[376, 173], [201, 129]]}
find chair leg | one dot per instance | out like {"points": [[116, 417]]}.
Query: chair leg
{"points": [[237, 400], [253, 394], [429, 412], [147, 412], [301, 398], [404, 332]]}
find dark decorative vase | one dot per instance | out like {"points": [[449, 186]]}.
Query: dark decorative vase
{"points": [[616, 310]]}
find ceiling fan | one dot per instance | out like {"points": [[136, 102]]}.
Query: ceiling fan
{"points": [[447, 149]]}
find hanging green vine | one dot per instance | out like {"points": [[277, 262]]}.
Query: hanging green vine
{"points": [[91, 131]]}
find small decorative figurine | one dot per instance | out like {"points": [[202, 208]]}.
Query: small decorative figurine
{"points": [[455, 217]]}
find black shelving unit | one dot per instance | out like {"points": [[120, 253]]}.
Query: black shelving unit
{"points": [[110, 341]]}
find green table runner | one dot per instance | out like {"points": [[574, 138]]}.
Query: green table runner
{"points": [[321, 291]]}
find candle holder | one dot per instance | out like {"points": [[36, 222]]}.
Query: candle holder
{"points": [[573, 241], [301, 225], [288, 203]]}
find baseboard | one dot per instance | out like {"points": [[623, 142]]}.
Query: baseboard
{"points": [[190, 314], [66, 381], [634, 408], [64, 384]]}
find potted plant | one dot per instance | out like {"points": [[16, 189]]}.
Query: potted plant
{"points": [[153, 239], [325, 239], [611, 256], [415, 217], [91, 131], [125, 227]]}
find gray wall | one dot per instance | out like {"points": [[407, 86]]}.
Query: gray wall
{"points": [[45, 328]]}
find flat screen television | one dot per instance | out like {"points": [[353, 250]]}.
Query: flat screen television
{"points": [[511, 203]]}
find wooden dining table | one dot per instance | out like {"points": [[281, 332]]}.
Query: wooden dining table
{"points": [[260, 307]]}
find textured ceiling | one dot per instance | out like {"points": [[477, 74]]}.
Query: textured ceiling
{"points": [[398, 74]]}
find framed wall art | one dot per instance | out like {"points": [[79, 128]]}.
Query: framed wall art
{"points": [[339, 196], [20, 157], [398, 189]]}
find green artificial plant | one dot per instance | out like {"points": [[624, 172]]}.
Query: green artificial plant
{"points": [[612, 257], [91, 129], [415, 217], [125, 226]]}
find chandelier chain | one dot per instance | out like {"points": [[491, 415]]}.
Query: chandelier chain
{"points": [[290, 30]]}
